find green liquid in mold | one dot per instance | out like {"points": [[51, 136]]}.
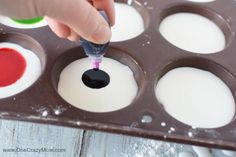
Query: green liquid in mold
{"points": [[28, 21]]}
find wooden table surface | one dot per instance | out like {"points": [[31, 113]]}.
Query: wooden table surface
{"points": [[70, 142]]}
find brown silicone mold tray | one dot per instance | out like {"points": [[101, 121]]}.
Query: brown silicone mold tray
{"points": [[149, 56]]}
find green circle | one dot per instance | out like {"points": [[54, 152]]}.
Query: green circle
{"points": [[28, 21]]}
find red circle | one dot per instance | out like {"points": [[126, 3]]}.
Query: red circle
{"points": [[12, 66]]}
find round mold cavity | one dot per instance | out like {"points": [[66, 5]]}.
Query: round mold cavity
{"points": [[196, 92], [195, 29], [114, 96], [35, 59], [23, 23], [132, 19]]}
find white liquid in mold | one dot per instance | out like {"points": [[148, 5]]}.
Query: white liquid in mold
{"points": [[129, 23], [11, 23], [119, 93], [31, 74], [193, 32], [196, 97]]}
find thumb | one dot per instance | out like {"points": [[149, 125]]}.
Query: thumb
{"points": [[80, 16]]}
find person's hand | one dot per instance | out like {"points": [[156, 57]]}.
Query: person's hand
{"points": [[67, 18]]}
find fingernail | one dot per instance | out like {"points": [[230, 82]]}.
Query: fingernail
{"points": [[102, 34]]}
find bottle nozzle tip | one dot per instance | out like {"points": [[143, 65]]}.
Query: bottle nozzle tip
{"points": [[96, 64]]}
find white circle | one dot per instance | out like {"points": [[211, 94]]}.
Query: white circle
{"points": [[11, 23], [192, 32], [129, 23], [201, 1], [119, 93], [196, 97], [31, 74]]}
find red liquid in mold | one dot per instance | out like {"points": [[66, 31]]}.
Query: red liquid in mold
{"points": [[12, 66]]}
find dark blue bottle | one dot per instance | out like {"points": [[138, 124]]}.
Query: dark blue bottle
{"points": [[95, 51]]}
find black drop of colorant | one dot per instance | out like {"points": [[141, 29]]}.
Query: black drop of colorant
{"points": [[95, 78]]}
